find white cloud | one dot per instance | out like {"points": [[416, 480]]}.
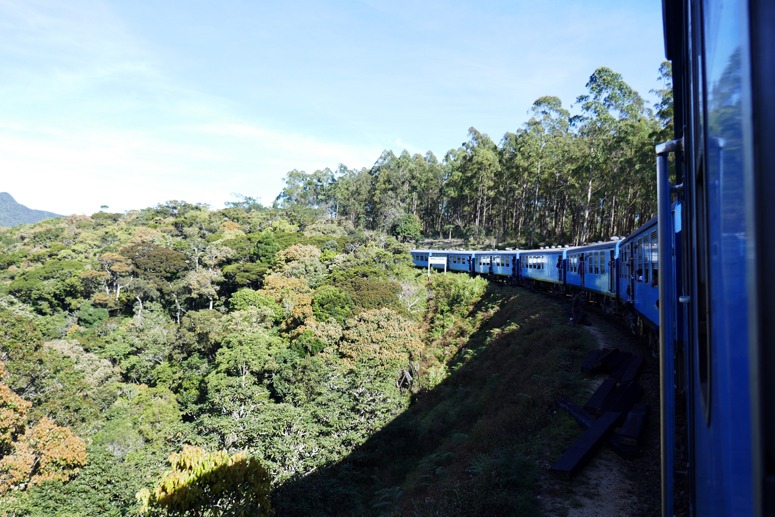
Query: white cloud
{"points": [[76, 172]]}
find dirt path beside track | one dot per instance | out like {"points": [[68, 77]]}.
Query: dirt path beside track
{"points": [[610, 485]]}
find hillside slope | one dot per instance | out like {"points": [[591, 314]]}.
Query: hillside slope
{"points": [[14, 214]]}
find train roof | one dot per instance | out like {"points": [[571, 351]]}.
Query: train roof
{"points": [[646, 227], [601, 245], [467, 252]]}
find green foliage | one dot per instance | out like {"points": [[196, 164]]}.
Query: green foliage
{"points": [[456, 293], [53, 286], [209, 484], [368, 293], [245, 274], [380, 338], [407, 228], [19, 336], [330, 302], [266, 248], [157, 262], [89, 315], [247, 298], [200, 333]]}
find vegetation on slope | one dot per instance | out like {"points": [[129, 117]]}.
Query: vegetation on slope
{"points": [[231, 330], [478, 442], [237, 332]]}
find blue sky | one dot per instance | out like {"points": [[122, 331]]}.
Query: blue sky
{"points": [[131, 103]]}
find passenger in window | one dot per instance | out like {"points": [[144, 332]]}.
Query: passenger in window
{"points": [[640, 275]]}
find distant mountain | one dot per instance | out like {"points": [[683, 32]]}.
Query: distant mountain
{"points": [[14, 214]]}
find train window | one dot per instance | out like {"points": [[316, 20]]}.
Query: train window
{"points": [[590, 261], [623, 261], [646, 258]]}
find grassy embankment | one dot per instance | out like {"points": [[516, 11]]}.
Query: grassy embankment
{"points": [[477, 443]]}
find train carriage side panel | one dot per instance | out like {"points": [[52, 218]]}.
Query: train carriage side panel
{"points": [[542, 265], [503, 263], [593, 267], [458, 261], [419, 258], [640, 285]]}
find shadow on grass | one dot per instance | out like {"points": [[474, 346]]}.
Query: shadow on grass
{"points": [[477, 443]]}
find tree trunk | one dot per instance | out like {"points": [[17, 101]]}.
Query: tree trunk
{"points": [[585, 226]]}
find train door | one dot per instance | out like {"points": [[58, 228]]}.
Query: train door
{"points": [[631, 274], [559, 268], [611, 272], [582, 268]]}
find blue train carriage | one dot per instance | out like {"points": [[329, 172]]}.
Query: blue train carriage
{"points": [[721, 303], [495, 263], [420, 257], [545, 265], [638, 278], [444, 260], [461, 261], [593, 268]]}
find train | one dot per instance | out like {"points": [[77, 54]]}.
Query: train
{"points": [[621, 275], [696, 279]]}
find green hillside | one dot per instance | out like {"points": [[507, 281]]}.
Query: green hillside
{"points": [[303, 357], [14, 214]]}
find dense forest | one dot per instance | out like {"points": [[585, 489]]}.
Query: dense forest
{"points": [[560, 179], [182, 360]]}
